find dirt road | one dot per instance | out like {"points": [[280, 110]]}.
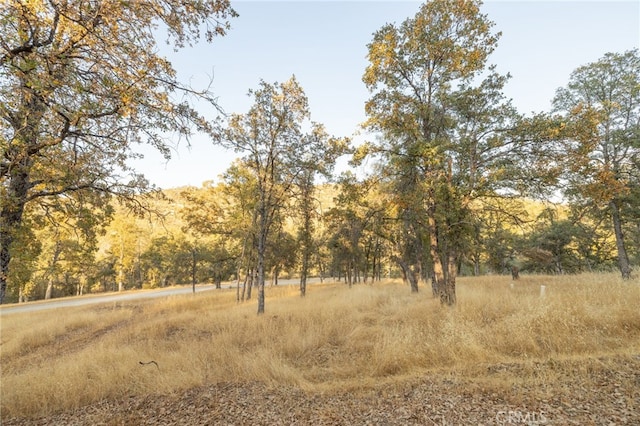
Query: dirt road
{"points": [[120, 297]]}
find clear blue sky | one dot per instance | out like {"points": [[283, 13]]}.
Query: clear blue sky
{"points": [[324, 45]]}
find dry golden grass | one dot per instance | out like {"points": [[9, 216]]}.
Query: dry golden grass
{"points": [[335, 338]]}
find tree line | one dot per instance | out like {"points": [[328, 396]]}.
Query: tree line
{"points": [[455, 166]]}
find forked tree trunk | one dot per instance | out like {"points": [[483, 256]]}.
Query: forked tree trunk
{"points": [[444, 272], [410, 275]]}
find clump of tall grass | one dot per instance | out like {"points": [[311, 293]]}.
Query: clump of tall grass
{"points": [[334, 338]]}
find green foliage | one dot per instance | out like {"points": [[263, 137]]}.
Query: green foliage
{"points": [[355, 230], [449, 136], [278, 156], [601, 106]]}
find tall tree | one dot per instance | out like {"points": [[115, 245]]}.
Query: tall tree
{"points": [[275, 148], [81, 84], [317, 164], [445, 139], [239, 190], [601, 106], [450, 140], [307, 214]]}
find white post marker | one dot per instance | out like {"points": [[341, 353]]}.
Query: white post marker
{"points": [[543, 289]]}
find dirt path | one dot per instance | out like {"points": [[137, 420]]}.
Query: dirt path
{"points": [[609, 395]]}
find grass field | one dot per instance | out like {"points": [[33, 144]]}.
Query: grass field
{"points": [[334, 339]]}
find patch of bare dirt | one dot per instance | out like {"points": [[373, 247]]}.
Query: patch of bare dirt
{"points": [[601, 392], [64, 344]]}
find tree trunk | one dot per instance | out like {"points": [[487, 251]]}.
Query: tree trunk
{"points": [[623, 258], [448, 294], [121, 278], [52, 269], [194, 269], [434, 285], [19, 182], [477, 249], [10, 220], [49, 292], [409, 274], [5, 257], [374, 265], [263, 232], [275, 273], [303, 285], [238, 288], [250, 282], [245, 283], [260, 279], [438, 283], [515, 272], [304, 271]]}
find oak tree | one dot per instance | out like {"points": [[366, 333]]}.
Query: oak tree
{"points": [[319, 163], [81, 86], [278, 142], [601, 110], [440, 133], [449, 139]]}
